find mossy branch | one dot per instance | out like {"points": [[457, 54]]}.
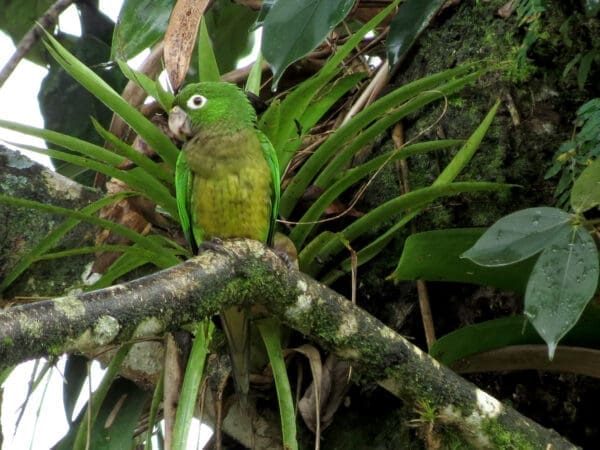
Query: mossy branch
{"points": [[247, 272]]}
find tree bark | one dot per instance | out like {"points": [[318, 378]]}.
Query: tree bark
{"points": [[245, 272], [24, 229]]}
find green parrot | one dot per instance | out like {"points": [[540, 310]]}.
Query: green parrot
{"points": [[227, 185]]}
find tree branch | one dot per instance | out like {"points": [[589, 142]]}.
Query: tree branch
{"points": [[45, 22], [246, 272]]}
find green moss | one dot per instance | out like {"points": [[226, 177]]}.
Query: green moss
{"points": [[501, 438], [7, 341]]}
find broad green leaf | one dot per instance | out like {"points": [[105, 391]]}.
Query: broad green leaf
{"points": [[562, 282], [498, 333], [75, 374], [488, 335], [264, 10], [293, 29], [518, 236], [585, 193], [18, 17], [96, 402], [229, 26], [435, 256], [116, 420], [124, 424], [412, 18], [141, 24]]}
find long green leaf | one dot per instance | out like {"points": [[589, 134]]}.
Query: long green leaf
{"points": [[124, 264], [191, 384], [462, 158], [292, 29], [254, 78], [162, 259], [412, 97], [157, 397], [409, 102], [136, 179], [83, 251], [308, 221], [409, 201], [459, 161], [153, 169], [101, 90], [208, 69], [295, 104], [74, 144], [319, 107], [150, 86], [270, 331]]}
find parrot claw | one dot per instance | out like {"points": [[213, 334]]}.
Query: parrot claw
{"points": [[215, 244], [286, 259]]}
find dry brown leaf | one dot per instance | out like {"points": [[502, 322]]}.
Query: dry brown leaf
{"points": [[180, 38], [173, 380], [332, 377], [507, 10]]}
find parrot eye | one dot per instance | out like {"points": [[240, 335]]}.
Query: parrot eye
{"points": [[196, 101]]}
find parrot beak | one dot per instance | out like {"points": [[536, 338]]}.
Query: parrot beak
{"points": [[180, 124]]}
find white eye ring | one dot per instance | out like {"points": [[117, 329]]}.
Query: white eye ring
{"points": [[196, 101]]}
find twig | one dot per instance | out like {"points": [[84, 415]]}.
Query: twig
{"points": [[377, 83], [45, 22]]}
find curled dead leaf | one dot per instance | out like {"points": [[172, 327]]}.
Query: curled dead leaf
{"points": [[180, 38], [318, 406]]}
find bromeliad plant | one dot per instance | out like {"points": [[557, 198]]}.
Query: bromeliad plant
{"points": [[287, 122]]}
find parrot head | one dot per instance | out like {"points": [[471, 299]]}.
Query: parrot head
{"points": [[210, 104]]}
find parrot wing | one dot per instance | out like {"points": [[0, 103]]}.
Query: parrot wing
{"points": [[183, 190]]}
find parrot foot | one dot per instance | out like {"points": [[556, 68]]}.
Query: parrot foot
{"points": [[286, 259], [215, 244]]}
